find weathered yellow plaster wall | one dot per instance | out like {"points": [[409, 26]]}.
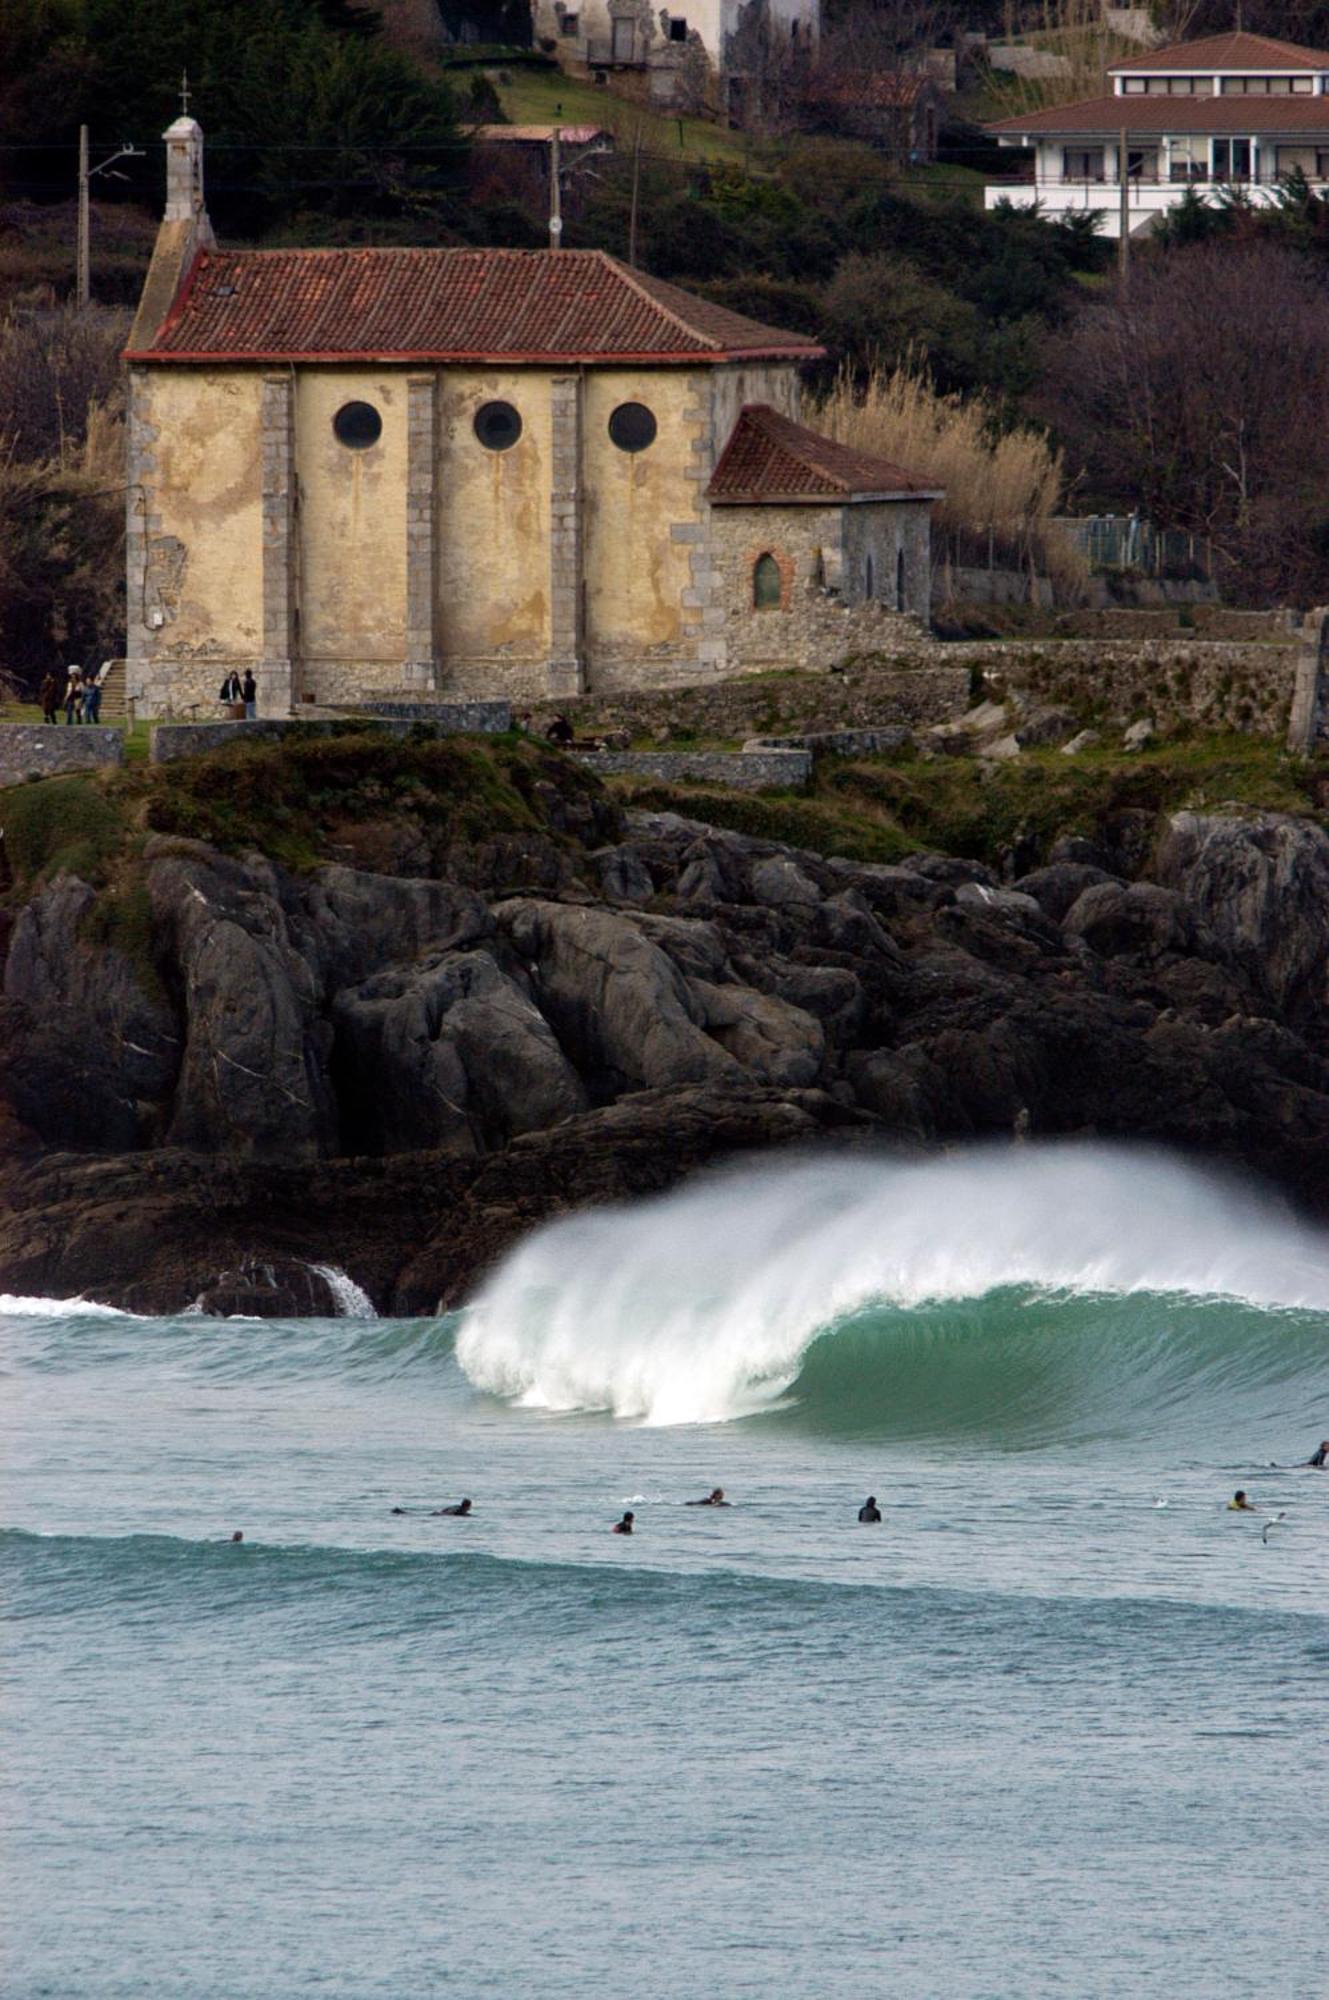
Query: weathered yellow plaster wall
{"points": [[352, 520], [493, 521], [638, 572], [773, 382], [204, 560]]}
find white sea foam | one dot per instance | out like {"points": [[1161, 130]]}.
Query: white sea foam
{"points": [[699, 1307], [15, 1307], [351, 1302]]}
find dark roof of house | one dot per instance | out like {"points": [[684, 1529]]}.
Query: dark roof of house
{"points": [[770, 458], [1107, 115], [1226, 52], [564, 307]]}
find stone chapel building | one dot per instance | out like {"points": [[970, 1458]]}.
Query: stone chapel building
{"points": [[480, 473]]}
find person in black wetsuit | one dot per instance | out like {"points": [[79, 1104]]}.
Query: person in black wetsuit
{"points": [[870, 1511], [715, 1498], [624, 1527], [463, 1507], [1320, 1459]]}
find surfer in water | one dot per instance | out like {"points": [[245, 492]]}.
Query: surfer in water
{"points": [[715, 1498], [1320, 1459], [624, 1527], [462, 1508], [870, 1511], [1239, 1504]]}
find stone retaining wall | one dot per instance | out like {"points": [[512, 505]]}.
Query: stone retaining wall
{"points": [[774, 705], [171, 740], [839, 742], [460, 718], [1214, 684], [41, 749], [742, 771]]}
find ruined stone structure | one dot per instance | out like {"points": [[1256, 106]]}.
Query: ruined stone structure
{"points": [[488, 474], [692, 55]]}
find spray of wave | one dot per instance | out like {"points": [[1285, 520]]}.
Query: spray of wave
{"points": [[13, 1306], [703, 1306]]}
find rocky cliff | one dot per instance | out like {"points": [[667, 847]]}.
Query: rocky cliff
{"points": [[397, 1067]]}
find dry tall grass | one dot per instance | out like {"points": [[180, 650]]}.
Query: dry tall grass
{"points": [[1002, 487], [1076, 30]]}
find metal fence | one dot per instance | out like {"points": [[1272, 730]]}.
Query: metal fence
{"points": [[1127, 541]]}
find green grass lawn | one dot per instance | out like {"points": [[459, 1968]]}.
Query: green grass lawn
{"points": [[547, 97]]}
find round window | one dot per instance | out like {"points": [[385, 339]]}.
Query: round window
{"points": [[498, 426], [632, 427], [358, 425]]}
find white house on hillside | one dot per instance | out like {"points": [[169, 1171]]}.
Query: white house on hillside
{"points": [[1231, 110]]}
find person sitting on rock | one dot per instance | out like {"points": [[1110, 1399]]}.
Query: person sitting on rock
{"points": [[624, 1527], [559, 732], [870, 1511], [715, 1498]]}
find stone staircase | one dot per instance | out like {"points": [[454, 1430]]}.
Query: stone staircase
{"points": [[113, 693]]}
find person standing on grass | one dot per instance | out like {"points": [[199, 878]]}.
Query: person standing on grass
{"points": [[50, 696], [74, 697], [92, 697], [249, 694]]}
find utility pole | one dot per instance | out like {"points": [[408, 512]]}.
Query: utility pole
{"points": [[83, 254], [636, 183], [1123, 176], [83, 279], [555, 194]]}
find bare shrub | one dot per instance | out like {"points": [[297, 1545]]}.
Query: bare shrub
{"points": [[55, 363], [1196, 395], [1002, 487]]}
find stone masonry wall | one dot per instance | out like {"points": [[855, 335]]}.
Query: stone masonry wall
{"points": [[748, 771], [1211, 684], [733, 711], [173, 740], [41, 749], [822, 615]]}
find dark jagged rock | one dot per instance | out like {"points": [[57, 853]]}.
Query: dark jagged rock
{"points": [[398, 1074]]}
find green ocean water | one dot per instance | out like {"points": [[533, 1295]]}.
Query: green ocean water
{"points": [[1057, 1726]]}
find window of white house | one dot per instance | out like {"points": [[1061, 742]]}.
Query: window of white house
{"points": [[1322, 165], [1232, 159], [1135, 86], [569, 26], [1082, 163], [678, 28], [1190, 160]]}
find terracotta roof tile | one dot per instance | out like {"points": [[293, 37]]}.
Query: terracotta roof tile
{"points": [[1226, 52], [1107, 115], [769, 458], [563, 307]]}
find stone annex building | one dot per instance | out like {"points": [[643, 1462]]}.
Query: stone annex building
{"points": [[485, 473]]}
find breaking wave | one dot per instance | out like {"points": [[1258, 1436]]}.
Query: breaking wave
{"points": [[1019, 1284]]}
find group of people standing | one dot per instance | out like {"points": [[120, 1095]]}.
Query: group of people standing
{"points": [[77, 692], [234, 691]]}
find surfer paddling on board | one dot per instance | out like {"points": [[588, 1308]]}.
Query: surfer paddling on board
{"points": [[462, 1508], [870, 1511], [624, 1527], [715, 1498], [1320, 1459]]}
